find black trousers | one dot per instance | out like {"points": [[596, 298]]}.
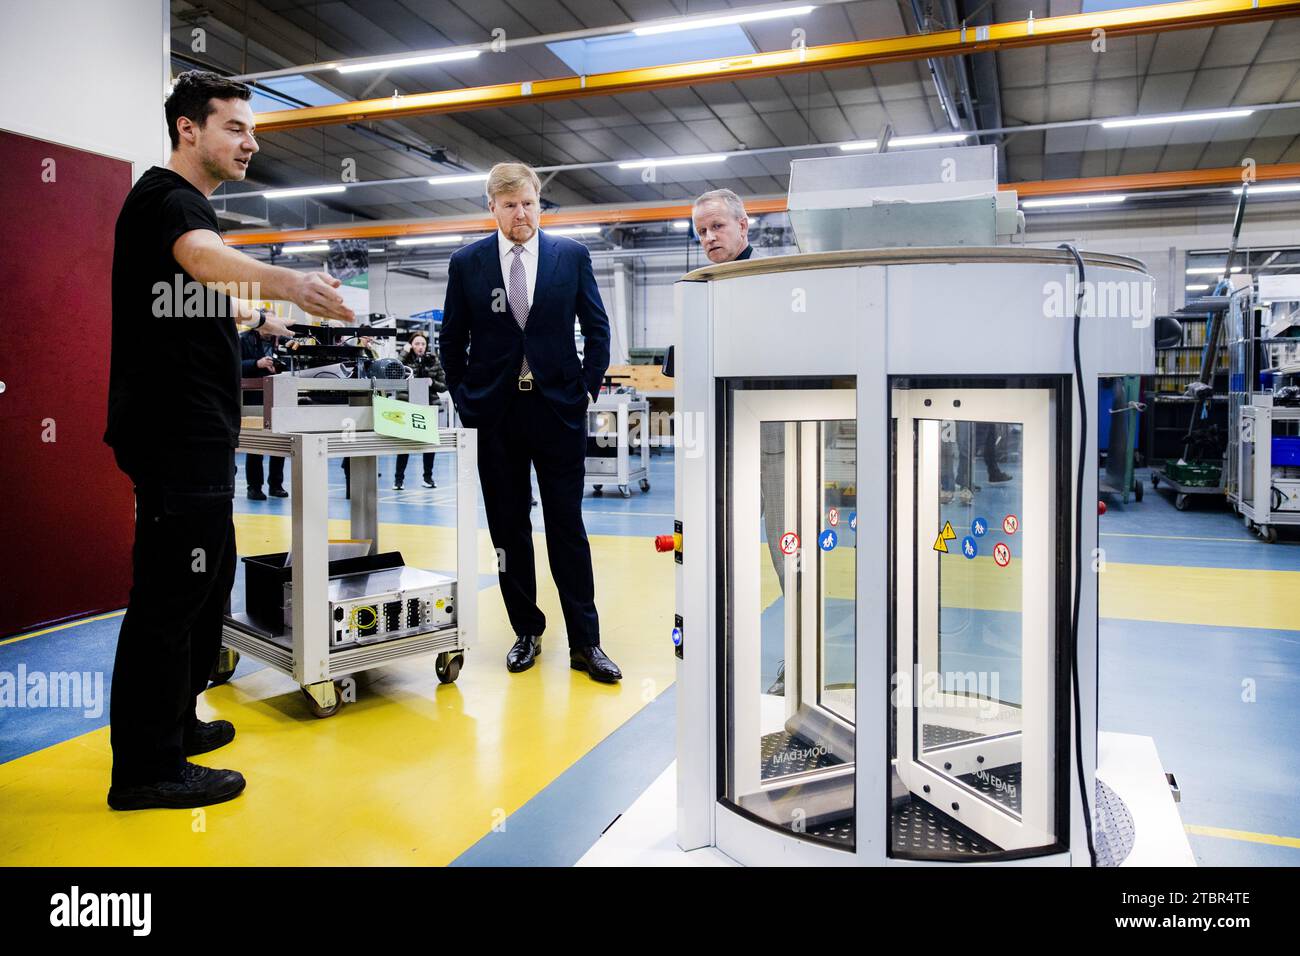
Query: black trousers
{"points": [[183, 565], [253, 469], [401, 466], [531, 433]]}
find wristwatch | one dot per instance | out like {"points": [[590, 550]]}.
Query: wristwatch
{"points": [[261, 318]]}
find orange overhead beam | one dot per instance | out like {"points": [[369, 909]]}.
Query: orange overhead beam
{"points": [[1182, 179], [1179, 179], [436, 227], [1190, 14]]}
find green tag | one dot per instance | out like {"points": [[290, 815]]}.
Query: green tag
{"points": [[398, 419]]}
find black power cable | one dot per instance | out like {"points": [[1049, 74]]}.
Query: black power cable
{"points": [[1078, 548]]}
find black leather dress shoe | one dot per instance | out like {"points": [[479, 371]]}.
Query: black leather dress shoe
{"points": [[256, 494], [594, 661], [198, 787], [208, 736], [523, 654], [279, 493]]}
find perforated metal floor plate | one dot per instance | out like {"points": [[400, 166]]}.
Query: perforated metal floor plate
{"points": [[1114, 831], [784, 754]]}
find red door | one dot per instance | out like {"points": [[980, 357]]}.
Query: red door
{"points": [[66, 512]]}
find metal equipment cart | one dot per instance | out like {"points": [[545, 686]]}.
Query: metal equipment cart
{"points": [[304, 650], [614, 448]]}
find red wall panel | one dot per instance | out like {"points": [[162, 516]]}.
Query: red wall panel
{"points": [[66, 512]]}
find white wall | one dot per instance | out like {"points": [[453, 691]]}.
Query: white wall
{"points": [[91, 74]]}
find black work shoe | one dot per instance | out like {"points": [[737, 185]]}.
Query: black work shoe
{"points": [[397, 484], [279, 493], [208, 736], [998, 476], [523, 654], [198, 787], [256, 494], [594, 661], [430, 483]]}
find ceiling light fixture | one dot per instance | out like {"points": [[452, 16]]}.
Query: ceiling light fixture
{"points": [[707, 22], [409, 61], [1107, 198], [1174, 118], [303, 191]]}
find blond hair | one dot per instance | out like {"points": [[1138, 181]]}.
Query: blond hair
{"points": [[511, 177]]}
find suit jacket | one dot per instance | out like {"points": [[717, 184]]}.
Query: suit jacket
{"points": [[483, 346]]}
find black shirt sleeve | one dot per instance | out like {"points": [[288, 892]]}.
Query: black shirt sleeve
{"points": [[184, 210]]}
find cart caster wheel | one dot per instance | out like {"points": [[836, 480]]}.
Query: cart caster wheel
{"points": [[224, 668], [1155, 482], [596, 491], [645, 484], [1137, 491], [1268, 534], [625, 491], [447, 666], [1180, 502], [323, 699]]}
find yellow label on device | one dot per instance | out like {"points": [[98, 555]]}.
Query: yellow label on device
{"points": [[398, 419]]}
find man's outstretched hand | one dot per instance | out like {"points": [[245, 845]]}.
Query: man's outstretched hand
{"points": [[315, 295]]}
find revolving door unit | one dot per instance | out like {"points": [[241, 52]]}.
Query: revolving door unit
{"points": [[980, 702], [788, 655]]}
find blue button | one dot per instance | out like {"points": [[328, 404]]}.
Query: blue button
{"points": [[677, 637]]}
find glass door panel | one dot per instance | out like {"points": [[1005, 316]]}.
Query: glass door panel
{"points": [[790, 641]]}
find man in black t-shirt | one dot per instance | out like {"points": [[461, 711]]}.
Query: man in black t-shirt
{"points": [[173, 424]]}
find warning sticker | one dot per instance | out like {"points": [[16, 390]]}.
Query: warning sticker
{"points": [[946, 535], [1001, 555], [828, 540], [968, 547], [979, 527], [853, 521], [1010, 524], [833, 516], [789, 543]]}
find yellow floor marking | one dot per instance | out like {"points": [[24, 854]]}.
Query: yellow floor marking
{"points": [[61, 627], [412, 773], [1218, 597], [1246, 835]]}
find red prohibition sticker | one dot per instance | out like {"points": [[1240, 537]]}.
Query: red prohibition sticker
{"points": [[1010, 524], [833, 516], [1001, 555], [789, 543]]}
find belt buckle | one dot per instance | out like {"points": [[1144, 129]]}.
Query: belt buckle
{"points": [[525, 385]]}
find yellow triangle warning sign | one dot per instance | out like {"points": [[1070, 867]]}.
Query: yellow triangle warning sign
{"points": [[940, 544], [948, 533]]}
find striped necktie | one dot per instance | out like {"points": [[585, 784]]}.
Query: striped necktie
{"points": [[518, 296]]}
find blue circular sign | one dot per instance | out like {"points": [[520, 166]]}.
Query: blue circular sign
{"points": [[828, 540], [853, 522], [968, 547], [979, 527]]}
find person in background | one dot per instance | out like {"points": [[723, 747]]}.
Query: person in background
{"points": [[256, 347], [423, 362]]}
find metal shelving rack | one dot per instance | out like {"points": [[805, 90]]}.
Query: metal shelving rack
{"points": [[1167, 422]]}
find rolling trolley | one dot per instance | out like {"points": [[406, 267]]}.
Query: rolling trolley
{"points": [[343, 617], [611, 444]]}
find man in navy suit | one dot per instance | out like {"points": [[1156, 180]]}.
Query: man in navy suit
{"points": [[513, 371]]}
